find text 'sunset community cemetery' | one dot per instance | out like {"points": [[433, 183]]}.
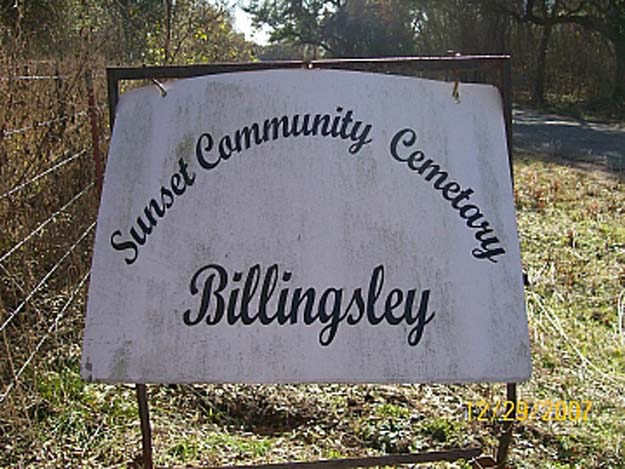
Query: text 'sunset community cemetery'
{"points": [[307, 226]]}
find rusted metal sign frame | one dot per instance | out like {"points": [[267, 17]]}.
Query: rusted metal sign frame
{"points": [[456, 64]]}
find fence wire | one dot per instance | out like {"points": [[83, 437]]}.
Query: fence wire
{"points": [[52, 169], [45, 278], [36, 125], [45, 112], [47, 334], [34, 77], [43, 224]]}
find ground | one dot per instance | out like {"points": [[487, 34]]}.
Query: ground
{"points": [[557, 137], [573, 247]]}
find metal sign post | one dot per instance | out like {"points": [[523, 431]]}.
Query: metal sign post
{"points": [[499, 64]]}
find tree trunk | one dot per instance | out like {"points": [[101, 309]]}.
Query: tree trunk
{"points": [[538, 93], [168, 5], [619, 76]]}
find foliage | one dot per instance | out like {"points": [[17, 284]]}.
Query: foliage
{"points": [[570, 221], [350, 28], [193, 31], [605, 17], [560, 48], [43, 21], [127, 31]]}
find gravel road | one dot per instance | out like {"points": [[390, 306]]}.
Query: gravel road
{"points": [[569, 138]]}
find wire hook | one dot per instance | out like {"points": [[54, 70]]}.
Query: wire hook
{"points": [[160, 86], [455, 93]]}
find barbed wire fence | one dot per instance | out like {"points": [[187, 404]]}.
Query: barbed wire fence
{"points": [[54, 128]]}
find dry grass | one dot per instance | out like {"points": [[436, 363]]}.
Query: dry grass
{"points": [[573, 242], [44, 125]]}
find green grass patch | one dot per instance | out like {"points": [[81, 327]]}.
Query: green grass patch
{"points": [[572, 232]]}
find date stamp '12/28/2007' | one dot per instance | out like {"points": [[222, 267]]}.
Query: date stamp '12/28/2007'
{"points": [[544, 409]]}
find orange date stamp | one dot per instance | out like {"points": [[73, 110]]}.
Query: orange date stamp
{"points": [[545, 409]]}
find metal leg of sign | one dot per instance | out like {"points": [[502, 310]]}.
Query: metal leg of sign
{"points": [[146, 431], [502, 63], [141, 390], [472, 455], [511, 388], [373, 461], [95, 131], [505, 72], [506, 437]]}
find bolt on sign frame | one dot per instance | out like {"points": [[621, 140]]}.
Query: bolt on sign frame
{"points": [[451, 66]]}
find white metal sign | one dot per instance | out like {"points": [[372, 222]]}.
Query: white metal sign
{"points": [[307, 226]]}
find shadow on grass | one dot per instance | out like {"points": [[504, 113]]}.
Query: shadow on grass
{"points": [[576, 163]]}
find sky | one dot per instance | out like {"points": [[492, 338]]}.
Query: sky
{"points": [[243, 23]]}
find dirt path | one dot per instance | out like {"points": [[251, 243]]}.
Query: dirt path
{"points": [[569, 138]]}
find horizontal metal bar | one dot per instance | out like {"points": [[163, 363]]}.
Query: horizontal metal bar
{"points": [[432, 456], [462, 62], [421, 58]]}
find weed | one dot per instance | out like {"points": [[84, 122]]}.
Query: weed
{"points": [[573, 248]]}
